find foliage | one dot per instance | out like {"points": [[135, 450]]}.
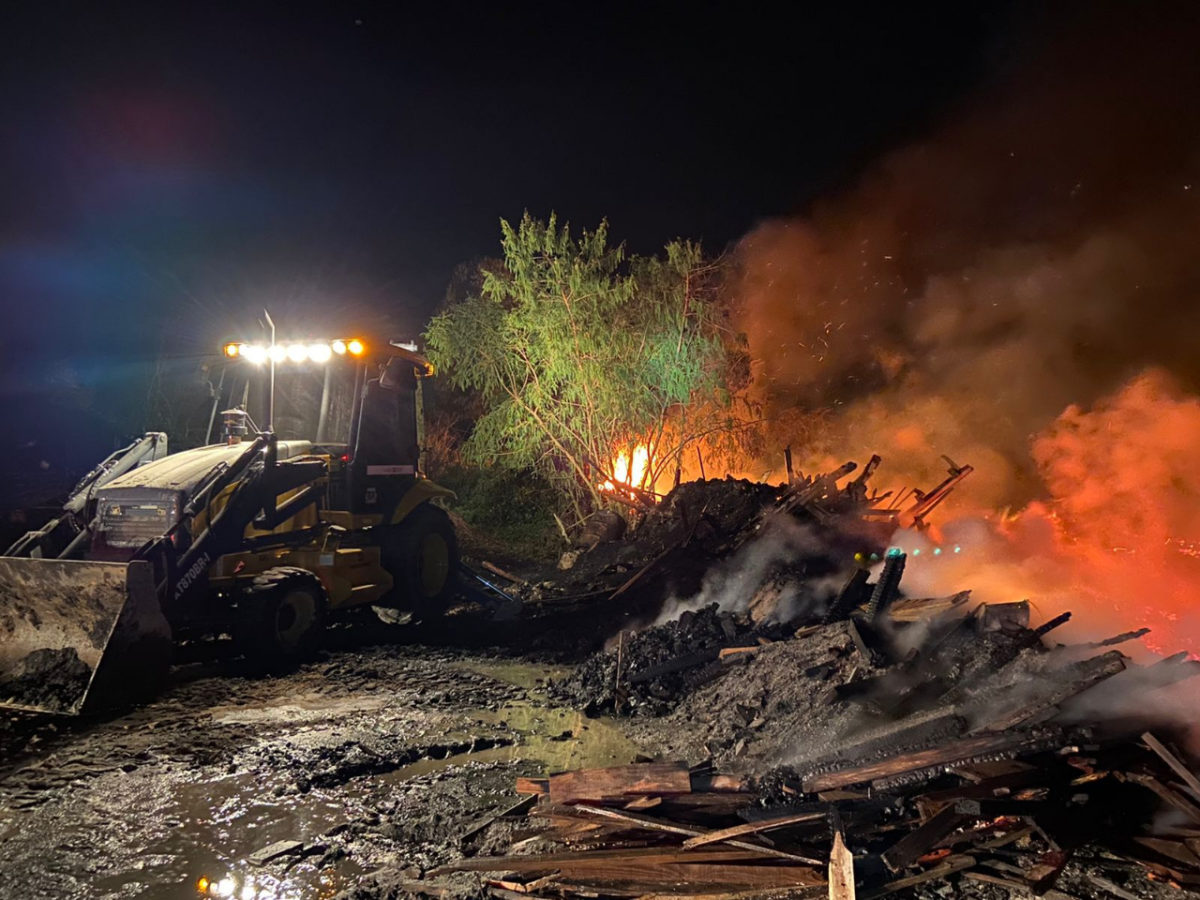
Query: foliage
{"points": [[577, 350], [511, 513]]}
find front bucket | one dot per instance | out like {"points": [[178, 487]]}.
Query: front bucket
{"points": [[75, 632]]}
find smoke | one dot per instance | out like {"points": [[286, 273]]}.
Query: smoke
{"points": [[1034, 252], [766, 577], [1116, 540], [1017, 290]]}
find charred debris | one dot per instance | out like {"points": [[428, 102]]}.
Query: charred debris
{"points": [[855, 743]]}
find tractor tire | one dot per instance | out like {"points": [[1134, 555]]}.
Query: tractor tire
{"points": [[421, 555], [280, 617]]}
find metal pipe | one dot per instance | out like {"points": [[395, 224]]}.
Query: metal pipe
{"points": [[212, 415], [324, 413], [271, 392]]}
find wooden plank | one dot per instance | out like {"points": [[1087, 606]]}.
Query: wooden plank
{"points": [[914, 610], [619, 782], [946, 754], [949, 867], [810, 892], [651, 868], [535, 862], [651, 824], [644, 802], [533, 785], [1176, 850], [931, 801], [1087, 674], [718, 783], [906, 851], [1185, 774], [869, 656], [1010, 838], [841, 870], [496, 570], [736, 831]]}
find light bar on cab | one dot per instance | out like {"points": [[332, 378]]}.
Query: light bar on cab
{"points": [[295, 351]]}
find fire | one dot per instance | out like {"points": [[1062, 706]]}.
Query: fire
{"points": [[630, 471], [1115, 541]]}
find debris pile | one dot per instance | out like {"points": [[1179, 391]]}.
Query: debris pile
{"points": [[1040, 815], [893, 742], [650, 671]]}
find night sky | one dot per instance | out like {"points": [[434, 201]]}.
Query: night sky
{"points": [[168, 170]]}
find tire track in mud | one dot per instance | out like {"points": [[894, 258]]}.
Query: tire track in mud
{"points": [[371, 759]]}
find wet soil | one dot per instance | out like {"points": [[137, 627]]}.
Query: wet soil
{"points": [[370, 760]]}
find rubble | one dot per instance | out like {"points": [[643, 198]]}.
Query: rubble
{"points": [[910, 742], [649, 671], [662, 829]]}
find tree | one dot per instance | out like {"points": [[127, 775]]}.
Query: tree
{"points": [[579, 352]]}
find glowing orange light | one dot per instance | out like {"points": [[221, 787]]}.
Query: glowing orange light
{"points": [[202, 885], [629, 472], [356, 347], [233, 351]]}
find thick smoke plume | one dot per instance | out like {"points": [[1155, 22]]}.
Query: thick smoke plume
{"points": [[1110, 543], [1035, 252], [1019, 291]]}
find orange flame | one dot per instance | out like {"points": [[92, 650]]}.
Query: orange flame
{"points": [[629, 471]]}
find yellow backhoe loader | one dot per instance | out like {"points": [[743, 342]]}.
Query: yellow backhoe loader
{"points": [[255, 537]]}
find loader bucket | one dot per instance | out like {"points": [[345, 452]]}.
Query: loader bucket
{"points": [[76, 633]]}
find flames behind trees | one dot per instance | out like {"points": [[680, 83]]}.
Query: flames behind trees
{"points": [[578, 351]]}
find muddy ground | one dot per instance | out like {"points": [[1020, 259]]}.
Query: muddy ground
{"points": [[374, 757]]}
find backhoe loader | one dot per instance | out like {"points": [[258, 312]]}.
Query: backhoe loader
{"points": [[257, 538]]}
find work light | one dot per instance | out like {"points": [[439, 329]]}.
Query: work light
{"points": [[294, 351]]}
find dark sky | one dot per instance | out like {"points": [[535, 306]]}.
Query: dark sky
{"points": [[169, 169]]}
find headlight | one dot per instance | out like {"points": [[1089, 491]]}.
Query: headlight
{"points": [[254, 353]]}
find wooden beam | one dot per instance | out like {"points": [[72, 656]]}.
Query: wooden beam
{"points": [[810, 892], [532, 785], [945, 754], [841, 870], [650, 868], [619, 782], [949, 867], [1185, 774], [1082, 675], [652, 824], [736, 831], [906, 851], [546, 861], [496, 570]]}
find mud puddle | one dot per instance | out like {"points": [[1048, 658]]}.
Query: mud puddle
{"points": [[379, 758], [548, 739]]}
